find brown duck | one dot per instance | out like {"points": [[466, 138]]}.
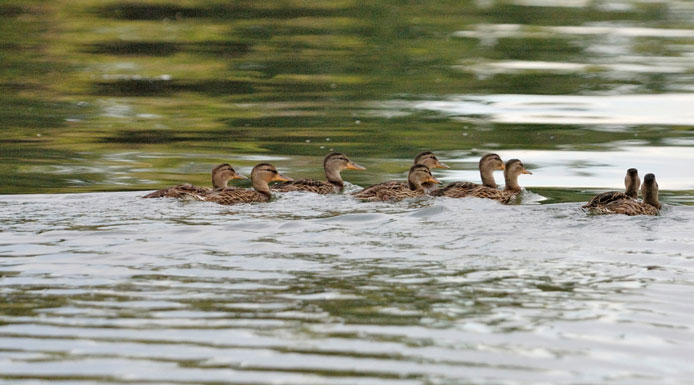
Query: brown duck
{"points": [[419, 175], [487, 165], [261, 175], [512, 170], [632, 182], [221, 175], [333, 164], [426, 158], [629, 206]]}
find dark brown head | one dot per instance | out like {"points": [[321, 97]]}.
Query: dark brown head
{"points": [[222, 174], [632, 182], [264, 173], [428, 159], [336, 162], [513, 169], [649, 191], [420, 174]]}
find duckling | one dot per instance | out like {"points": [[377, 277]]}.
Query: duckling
{"points": [[632, 182], [426, 158], [221, 175], [419, 175], [487, 165], [628, 206], [261, 175], [333, 164], [512, 170]]}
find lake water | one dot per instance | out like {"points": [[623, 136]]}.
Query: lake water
{"points": [[102, 98]]}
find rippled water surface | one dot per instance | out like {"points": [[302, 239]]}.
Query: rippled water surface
{"points": [[99, 98], [113, 288]]}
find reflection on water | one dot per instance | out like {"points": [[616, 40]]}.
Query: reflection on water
{"points": [[111, 288], [188, 85]]}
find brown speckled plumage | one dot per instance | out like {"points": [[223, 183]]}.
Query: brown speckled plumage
{"points": [[632, 182], [261, 175], [626, 206], [614, 202], [512, 169], [221, 175], [395, 191], [468, 189], [333, 164]]}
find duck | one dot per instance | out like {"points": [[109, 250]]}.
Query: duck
{"points": [[487, 165], [632, 182], [221, 175], [512, 170], [650, 205], [333, 164], [426, 158], [261, 175], [418, 175]]}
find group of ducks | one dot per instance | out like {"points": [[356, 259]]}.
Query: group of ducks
{"points": [[419, 182]]}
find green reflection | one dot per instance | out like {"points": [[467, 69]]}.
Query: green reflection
{"points": [[122, 95]]}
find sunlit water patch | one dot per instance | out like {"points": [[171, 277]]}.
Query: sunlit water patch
{"points": [[629, 110], [113, 288]]}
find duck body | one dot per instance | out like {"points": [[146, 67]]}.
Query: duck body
{"points": [[235, 196], [488, 164], [179, 191], [333, 164], [309, 185], [387, 190], [625, 206], [261, 175], [614, 202], [221, 175], [469, 189], [632, 182], [394, 191]]}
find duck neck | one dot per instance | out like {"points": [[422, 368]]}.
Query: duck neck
{"points": [[413, 186], [261, 186], [333, 176], [512, 182], [487, 175], [219, 181], [651, 197], [632, 192]]}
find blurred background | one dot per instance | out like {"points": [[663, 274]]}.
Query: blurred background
{"points": [[122, 95]]}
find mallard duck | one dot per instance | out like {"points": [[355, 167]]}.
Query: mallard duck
{"points": [[426, 158], [333, 164], [629, 206], [221, 175], [487, 165], [419, 175], [261, 175], [632, 182], [512, 169]]}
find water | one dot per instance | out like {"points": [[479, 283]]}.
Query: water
{"points": [[103, 98], [113, 288]]}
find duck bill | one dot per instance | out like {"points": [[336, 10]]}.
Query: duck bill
{"points": [[440, 165], [238, 176], [433, 180], [502, 168], [354, 166], [527, 172], [281, 178]]}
